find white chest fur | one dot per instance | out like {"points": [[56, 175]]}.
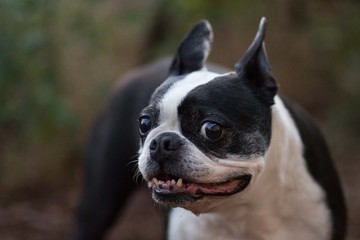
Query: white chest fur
{"points": [[284, 203]]}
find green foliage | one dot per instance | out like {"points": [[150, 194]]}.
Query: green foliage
{"points": [[36, 124], [58, 61], [31, 100]]}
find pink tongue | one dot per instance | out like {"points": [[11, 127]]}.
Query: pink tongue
{"points": [[222, 188], [193, 188]]}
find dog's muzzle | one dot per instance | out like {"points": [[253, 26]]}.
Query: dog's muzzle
{"points": [[171, 184]]}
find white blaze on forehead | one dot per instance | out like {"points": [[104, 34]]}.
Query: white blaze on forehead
{"points": [[172, 99]]}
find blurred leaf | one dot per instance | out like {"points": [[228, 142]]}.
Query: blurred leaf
{"points": [[29, 91]]}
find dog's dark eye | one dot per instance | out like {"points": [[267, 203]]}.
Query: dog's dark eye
{"points": [[211, 130], [144, 124]]}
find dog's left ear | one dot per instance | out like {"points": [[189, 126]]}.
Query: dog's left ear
{"points": [[193, 50], [254, 68]]}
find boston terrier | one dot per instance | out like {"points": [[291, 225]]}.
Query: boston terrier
{"points": [[258, 128], [231, 157]]}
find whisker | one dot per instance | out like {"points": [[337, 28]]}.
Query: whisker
{"points": [[137, 174]]}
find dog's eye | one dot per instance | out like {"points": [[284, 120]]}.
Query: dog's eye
{"points": [[211, 130], [144, 124]]}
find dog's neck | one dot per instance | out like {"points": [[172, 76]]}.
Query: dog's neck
{"points": [[284, 202]]}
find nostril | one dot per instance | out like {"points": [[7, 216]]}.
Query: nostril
{"points": [[153, 145]]}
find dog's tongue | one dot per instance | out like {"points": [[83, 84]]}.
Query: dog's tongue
{"points": [[218, 188], [172, 186]]}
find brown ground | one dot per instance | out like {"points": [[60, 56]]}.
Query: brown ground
{"points": [[51, 218]]}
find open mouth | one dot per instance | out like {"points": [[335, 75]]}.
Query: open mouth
{"points": [[170, 189]]}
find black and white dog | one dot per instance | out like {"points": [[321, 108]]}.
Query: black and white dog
{"points": [[234, 159], [238, 160]]}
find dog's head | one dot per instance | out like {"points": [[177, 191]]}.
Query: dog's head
{"points": [[204, 135]]}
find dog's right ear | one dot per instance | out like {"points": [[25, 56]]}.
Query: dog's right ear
{"points": [[193, 50], [255, 68]]}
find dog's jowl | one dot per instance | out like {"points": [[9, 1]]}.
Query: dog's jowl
{"points": [[231, 157]]}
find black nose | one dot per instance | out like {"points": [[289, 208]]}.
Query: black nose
{"points": [[165, 145]]}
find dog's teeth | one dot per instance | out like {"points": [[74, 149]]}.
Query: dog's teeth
{"points": [[156, 181], [173, 182], [179, 182]]}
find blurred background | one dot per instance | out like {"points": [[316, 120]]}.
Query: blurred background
{"points": [[59, 62]]}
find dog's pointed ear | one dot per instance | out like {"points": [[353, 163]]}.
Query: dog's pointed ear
{"points": [[193, 50], [254, 68]]}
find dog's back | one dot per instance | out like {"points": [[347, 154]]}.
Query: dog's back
{"points": [[109, 178]]}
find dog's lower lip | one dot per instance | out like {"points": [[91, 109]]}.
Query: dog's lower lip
{"points": [[197, 190]]}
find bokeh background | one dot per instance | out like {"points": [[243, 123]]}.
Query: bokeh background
{"points": [[60, 60]]}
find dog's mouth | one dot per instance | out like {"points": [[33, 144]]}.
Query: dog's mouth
{"points": [[171, 190]]}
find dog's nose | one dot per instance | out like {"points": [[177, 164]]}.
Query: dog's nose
{"points": [[164, 145]]}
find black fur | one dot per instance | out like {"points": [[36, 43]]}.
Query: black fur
{"points": [[109, 178], [254, 68], [228, 101], [193, 50]]}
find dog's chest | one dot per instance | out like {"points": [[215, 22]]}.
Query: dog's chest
{"points": [[185, 225]]}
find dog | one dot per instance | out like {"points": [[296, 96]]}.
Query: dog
{"points": [[231, 157]]}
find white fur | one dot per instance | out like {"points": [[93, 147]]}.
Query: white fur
{"points": [[168, 106], [284, 203]]}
